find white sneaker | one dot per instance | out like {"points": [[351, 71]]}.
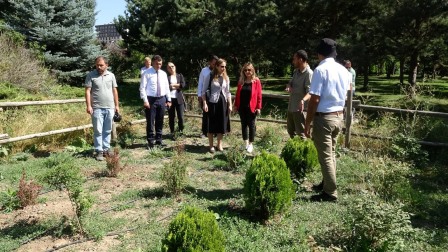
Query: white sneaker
{"points": [[250, 148]]}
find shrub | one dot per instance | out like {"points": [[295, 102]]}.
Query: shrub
{"points": [[407, 148], [174, 174], [64, 174], [300, 157], [113, 163], [268, 187], [29, 74], [28, 191], [377, 226], [9, 200], [269, 138], [236, 158], [194, 230]]}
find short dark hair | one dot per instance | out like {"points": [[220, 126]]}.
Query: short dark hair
{"points": [[301, 54], [102, 58], [212, 57], [156, 58]]}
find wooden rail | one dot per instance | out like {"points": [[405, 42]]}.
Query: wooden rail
{"points": [[4, 138], [34, 103]]}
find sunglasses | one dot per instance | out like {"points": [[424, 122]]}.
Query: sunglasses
{"points": [[247, 70], [222, 66]]}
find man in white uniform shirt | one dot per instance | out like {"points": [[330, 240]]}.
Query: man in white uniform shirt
{"points": [[328, 91], [155, 90], [205, 72]]}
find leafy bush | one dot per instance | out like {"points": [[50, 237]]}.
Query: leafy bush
{"points": [[174, 174], [125, 134], [80, 144], [407, 148], [9, 200], [28, 191], [194, 230], [377, 226], [300, 157], [268, 187], [113, 163]]}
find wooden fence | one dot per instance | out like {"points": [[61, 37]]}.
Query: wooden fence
{"points": [[191, 99]]}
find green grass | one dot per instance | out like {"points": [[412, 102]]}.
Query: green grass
{"points": [[135, 199]]}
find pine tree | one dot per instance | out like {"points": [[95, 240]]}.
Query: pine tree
{"points": [[64, 30]]}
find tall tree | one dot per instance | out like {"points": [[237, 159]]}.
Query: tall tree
{"points": [[410, 26], [63, 28]]}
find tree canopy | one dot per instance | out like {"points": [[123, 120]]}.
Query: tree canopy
{"points": [[63, 29], [268, 32]]}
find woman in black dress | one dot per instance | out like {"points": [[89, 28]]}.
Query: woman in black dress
{"points": [[217, 103]]}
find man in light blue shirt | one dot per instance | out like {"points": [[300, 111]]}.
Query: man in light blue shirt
{"points": [[155, 93], [328, 91]]}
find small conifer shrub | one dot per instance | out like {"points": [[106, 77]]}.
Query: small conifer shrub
{"points": [[174, 174], [300, 157], [194, 230], [28, 191], [268, 186]]}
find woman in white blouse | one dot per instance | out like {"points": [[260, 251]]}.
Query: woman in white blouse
{"points": [[217, 103]]}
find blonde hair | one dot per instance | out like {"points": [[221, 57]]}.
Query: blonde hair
{"points": [[224, 73], [243, 76]]}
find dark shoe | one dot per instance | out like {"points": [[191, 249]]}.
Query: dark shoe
{"points": [[319, 187], [323, 197], [150, 145], [161, 144], [99, 156]]}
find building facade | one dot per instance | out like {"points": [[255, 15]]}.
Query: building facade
{"points": [[107, 33]]}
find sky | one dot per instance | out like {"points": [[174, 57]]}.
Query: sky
{"points": [[108, 10]]}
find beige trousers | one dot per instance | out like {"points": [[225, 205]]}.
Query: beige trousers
{"points": [[325, 131]]}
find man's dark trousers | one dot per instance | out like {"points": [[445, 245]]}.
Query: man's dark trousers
{"points": [[154, 118]]}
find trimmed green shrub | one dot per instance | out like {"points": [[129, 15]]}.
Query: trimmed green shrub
{"points": [[300, 157], [268, 186], [194, 230]]}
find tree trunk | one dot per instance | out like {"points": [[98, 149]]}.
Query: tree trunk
{"points": [[413, 67], [366, 76], [401, 70]]}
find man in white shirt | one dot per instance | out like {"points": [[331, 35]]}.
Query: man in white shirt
{"points": [[155, 90], [146, 66], [328, 91], [205, 72]]}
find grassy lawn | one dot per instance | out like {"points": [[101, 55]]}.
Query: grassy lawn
{"points": [[135, 201], [132, 212]]}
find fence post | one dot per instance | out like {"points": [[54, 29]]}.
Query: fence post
{"points": [[348, 118], [114, 132]]}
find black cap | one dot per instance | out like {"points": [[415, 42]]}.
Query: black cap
{"points": [[327, 48]]}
